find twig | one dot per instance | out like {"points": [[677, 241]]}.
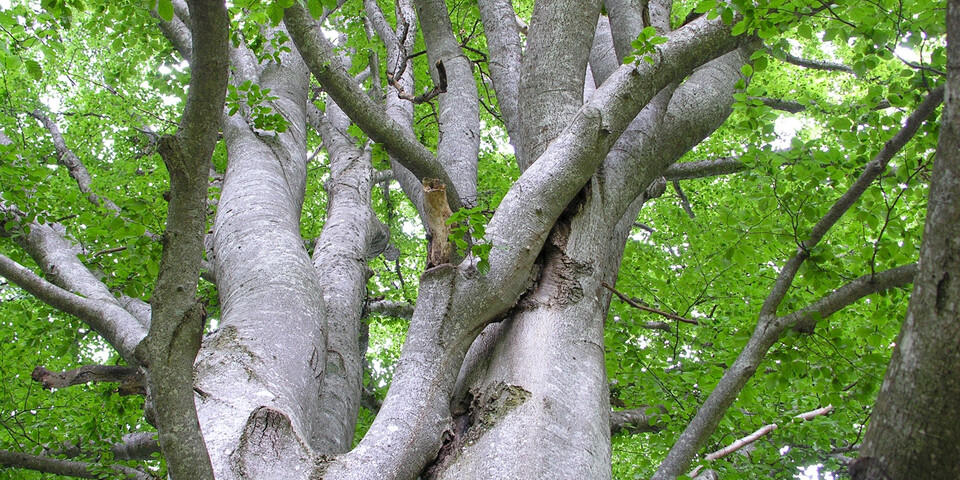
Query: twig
{"points": [[740, 443], [632, 303], [815, 413]]}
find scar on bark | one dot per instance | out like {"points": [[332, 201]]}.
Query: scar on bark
{"points": [[437, 210], [476, 415]]}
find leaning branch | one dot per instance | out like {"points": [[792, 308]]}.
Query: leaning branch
{"points": [[104, 318], [840, 207], [769, 326], [814, 64], [66, 157], [177, 317], [68, 468], [704, 168], [805, 319], [325, 65]]}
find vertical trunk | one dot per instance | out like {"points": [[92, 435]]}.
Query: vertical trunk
{"points": [[271, 333], [538, 406], [915, 427]]}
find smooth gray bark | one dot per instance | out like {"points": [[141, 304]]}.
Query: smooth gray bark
{"points": [[259, 376]]}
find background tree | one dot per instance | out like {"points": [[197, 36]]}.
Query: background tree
{"points": [[531, 262]]}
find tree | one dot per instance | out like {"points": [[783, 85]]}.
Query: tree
{"points": [[525, 138]]}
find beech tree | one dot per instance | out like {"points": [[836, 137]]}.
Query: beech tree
{"points": [[620, 238]]}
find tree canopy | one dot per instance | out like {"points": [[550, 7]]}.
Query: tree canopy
{"points": [[771, 162]]}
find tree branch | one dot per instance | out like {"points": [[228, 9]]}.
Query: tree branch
{"points": [[68, 159], [633, 421], [108, 320], [870, 173], [546, 188], [505, 51], [130, 379], [813, 64], [318, 54], [806, 318], [177, 317], [634, 304], [704, 168], [136, 446], [741, 442], [459, 113], [69, 468], [769, 326], [389, 308]]}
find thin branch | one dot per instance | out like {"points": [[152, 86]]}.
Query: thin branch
{"points": [[840, 207], [806, 318], [742, 442], [814, 64], [704, 168], [792, 106], [65, 156], [634, 304], [815, 413], [69, 468], [684, 202]]}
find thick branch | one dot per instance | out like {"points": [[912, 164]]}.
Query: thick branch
{"points": [[390, 309], [545, 188], [633, 421], [551, 80], [136, 446], [459, 114], [108, 320], [704, 168], [69, 468], [505, 51], [178, 33], [318, 54], [176, 326]]}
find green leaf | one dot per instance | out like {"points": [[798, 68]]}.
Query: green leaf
{"points": [[165, 10], [34, 69], [275, 13], [316, 8]]}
